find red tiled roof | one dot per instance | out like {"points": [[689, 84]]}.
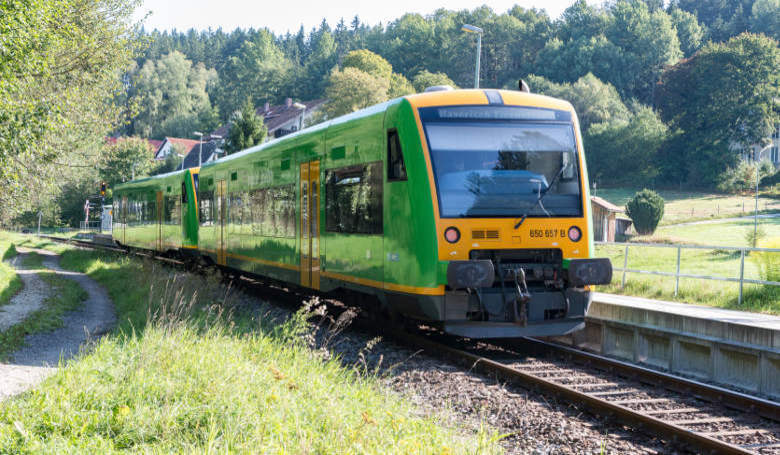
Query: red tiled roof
{"points": [[188, 144]]}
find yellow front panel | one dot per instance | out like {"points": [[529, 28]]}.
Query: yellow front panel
{"points": [[534, 232]]}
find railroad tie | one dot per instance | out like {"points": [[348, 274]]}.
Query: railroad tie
{"points": [[672, 411], [700, 421], [642, 401]]}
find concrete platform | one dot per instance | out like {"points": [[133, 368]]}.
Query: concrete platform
{"points": [[732, 348]]}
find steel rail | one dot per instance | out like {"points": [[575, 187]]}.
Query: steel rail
{"points": [[597, 405], [623, 414], [726, 397]]}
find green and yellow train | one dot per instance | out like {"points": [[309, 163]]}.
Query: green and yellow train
{"points": [[468, 209]]}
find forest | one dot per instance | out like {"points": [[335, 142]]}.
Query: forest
{"points": [[667, 93]]}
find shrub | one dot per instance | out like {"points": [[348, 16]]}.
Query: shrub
{"points": [[754, 235], [768, 263], [645, 209]]}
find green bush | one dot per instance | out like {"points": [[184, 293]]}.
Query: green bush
{"points": [[645, 209]]}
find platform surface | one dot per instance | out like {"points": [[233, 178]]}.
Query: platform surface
{"points": [[758, 320]]}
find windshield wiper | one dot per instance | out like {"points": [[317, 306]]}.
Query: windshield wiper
{"points": [[541, 197]]}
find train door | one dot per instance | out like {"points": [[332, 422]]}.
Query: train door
{"points": [[160, 208], [310, 224], [221, 200]]}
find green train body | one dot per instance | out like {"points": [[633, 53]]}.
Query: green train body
{"points": [[402, 202]]}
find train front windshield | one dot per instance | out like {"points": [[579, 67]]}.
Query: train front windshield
{"points": [[503, 161]]}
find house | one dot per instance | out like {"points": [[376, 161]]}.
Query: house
{"points": [[154, 144], [771, 154], [209, 152], [279, 120], [606, 224], [174, 144]]}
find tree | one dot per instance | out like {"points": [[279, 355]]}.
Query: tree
{"points": [[60, 63], [125, 158], [246, 129], [425, 79], [351, 89], [172, 97], [765, 18], [723, 18], [257, 72], [368, 62], [645, 209], [648, 43], [724, 95], [689, 31], [399, 86], [621, 152], [593, 100]]}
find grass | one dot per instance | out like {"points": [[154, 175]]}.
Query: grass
{"points": [[190, 370], [32, 261], [726, 233], [723, 263], [10, 283], [66, 295], [684, 206]]}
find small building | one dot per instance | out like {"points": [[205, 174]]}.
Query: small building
{"points": [[751, 153], [279, 120], [605, 220], [174, 145], [208, 150]]}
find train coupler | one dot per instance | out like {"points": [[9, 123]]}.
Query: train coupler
{"points": [[522, 297]]}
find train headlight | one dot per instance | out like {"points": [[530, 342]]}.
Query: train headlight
{"points": [[452, 234], [575, 234]]}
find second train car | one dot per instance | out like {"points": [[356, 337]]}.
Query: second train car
{"points": [[468, 209]]}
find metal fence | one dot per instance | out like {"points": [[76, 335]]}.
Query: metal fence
{"points": [[743, 251], [95, 226]]}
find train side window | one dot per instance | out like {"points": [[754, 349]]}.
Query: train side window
{"points": [[183, 193], [396, 169], [353, 199]]}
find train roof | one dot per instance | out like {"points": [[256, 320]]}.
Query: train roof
{"points": [[437, 98], [150, 180]]}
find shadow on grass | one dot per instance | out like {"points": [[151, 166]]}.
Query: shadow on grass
{"points": [[10, 253]]}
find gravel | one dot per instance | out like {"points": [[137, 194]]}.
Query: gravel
{"points": [[43, 351], [531, 423]]}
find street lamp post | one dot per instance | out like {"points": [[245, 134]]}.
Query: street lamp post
{"points": [[472, 29], [755, 218], [303, 117], [200, 151]]}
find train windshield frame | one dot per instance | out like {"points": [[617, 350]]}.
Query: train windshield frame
{"points": [[498, 161]]}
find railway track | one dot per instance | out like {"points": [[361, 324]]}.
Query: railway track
{"points": [[702, 417]]}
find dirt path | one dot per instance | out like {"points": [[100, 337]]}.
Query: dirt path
{"points": [[32, 296], [44, 351]]}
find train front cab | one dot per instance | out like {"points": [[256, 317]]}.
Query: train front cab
{"points": [[510, 205]]}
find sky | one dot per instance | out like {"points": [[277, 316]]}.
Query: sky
{"points": [[280, 16]]}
